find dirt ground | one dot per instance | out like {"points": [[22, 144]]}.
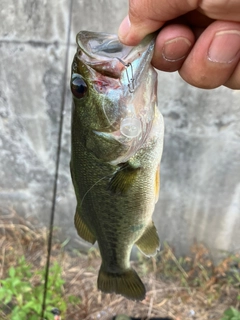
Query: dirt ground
{"points": [[179, 288]]}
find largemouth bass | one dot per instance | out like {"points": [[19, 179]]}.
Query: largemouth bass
{"points": [[117, 140]]}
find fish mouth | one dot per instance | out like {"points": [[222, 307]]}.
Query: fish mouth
{"points": [[107, 55], [128, 98]]}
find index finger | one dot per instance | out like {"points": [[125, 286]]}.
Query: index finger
{"points": [[147, 16]]}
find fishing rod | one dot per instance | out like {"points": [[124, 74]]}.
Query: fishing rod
{"points": [[56, 175]]}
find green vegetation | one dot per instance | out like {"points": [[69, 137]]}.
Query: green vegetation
{"points": [[21, 293], [231, 314]]}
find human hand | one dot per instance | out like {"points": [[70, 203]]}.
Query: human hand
{"points": [[200, 39]]}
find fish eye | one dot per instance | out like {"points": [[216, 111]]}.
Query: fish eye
{"points": [[78, 86]]}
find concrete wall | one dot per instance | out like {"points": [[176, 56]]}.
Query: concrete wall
{"points": [[200, 172]]}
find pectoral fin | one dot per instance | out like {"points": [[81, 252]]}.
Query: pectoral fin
{"points": [[82, 229], [149, 242], [123, 179]]}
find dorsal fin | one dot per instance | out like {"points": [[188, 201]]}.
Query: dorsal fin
{"points": [[157, 184]]}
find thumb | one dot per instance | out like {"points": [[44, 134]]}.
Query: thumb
{"points": [[131, 33], [147, 16]]}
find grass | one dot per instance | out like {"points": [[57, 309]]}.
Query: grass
{"points": [[21, 292], [181, 288]]}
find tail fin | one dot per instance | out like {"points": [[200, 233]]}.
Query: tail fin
{"points": [[128, 284]]}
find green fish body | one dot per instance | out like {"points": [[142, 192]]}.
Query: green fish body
{"points": [[117, 139]]}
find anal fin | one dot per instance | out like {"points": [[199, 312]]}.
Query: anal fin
{"points": [[149, 242], [82, 229]]}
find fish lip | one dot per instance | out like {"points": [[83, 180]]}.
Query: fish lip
{"points": [[104, 51], [91, 43]]}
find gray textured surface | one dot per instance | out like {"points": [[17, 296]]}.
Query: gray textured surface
{"points": [[200, 195], [200, 172]]}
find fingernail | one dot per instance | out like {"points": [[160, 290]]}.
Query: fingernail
{"points": [[124, 28], [176, 49], [225, 46]]}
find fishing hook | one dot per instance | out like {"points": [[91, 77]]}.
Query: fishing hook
{"points": [[131, 86]]}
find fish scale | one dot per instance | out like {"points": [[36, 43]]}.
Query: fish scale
{"points": [[115, 176]]}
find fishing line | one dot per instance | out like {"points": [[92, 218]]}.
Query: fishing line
{"points": [[93, 187], [105, 177], [59, 145]]}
